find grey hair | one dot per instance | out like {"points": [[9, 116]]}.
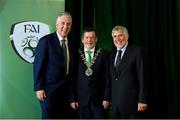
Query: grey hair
{"points": [[120, 27], [63, 14]]}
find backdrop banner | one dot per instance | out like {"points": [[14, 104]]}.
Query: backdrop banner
{"points": [[22, 24]]}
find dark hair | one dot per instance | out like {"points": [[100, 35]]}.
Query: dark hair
{"points": [[88, 29]]}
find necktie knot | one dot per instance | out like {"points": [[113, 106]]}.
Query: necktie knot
{"points": [[89, 52], [63, 43], [119, 52], [64, 46]]}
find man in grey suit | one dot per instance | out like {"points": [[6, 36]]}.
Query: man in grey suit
{"points": [[52, 69], [127, 71]]}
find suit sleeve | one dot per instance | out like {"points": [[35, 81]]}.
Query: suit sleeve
{"points": [[39, 64], [73, 75], [141, 71], [107, 78]]}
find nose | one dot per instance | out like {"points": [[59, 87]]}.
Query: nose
{"points": [[66, 25], [88, 39], [116, 39]]}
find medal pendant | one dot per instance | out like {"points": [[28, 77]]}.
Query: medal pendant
{"points": [[88, 72]]}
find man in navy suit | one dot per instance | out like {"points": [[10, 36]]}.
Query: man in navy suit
{"points": [[127, 71], [91, 93], [52, 67]]}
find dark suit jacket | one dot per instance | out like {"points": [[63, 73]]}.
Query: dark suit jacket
{"points": [[129, 82], [96, 87], [49, 70]]}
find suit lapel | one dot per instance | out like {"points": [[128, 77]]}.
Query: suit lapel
{"points": [[81, 57], [56, 43], [123, 60], [95, 62], [112, 58]]}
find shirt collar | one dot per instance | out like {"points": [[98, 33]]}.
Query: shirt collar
{"points": [[124, 48], [92, 50], [59, 37]]}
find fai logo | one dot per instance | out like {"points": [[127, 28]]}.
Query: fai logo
{"points": [[24, 37]]}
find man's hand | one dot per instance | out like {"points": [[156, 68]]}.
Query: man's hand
{"points": [[74, 105], [41, 95], [105, 104], [142, 106]]}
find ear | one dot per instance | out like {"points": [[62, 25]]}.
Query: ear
{"points": [[82, 41], [96, 39]]}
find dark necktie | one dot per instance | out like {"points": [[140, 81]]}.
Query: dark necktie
{"points": [[118, 59], [64, 52]]}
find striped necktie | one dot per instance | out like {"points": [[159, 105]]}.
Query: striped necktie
{"points": [[89, 57], [118, 59]]}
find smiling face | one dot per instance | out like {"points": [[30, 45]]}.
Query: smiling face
{"points": [[120, 38], [63, 25], [89, 40]]}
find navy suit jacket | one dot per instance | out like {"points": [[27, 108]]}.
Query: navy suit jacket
{"points": [[96, 87], [49, 69], [129, 82]]}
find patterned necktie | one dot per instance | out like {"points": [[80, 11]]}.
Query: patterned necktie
{"points": [[89, 57], [64, 52], [118, 59]]}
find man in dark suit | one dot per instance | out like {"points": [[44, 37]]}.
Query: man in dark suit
{"points": [[127, 71], [91, 93], [52, 67]]}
